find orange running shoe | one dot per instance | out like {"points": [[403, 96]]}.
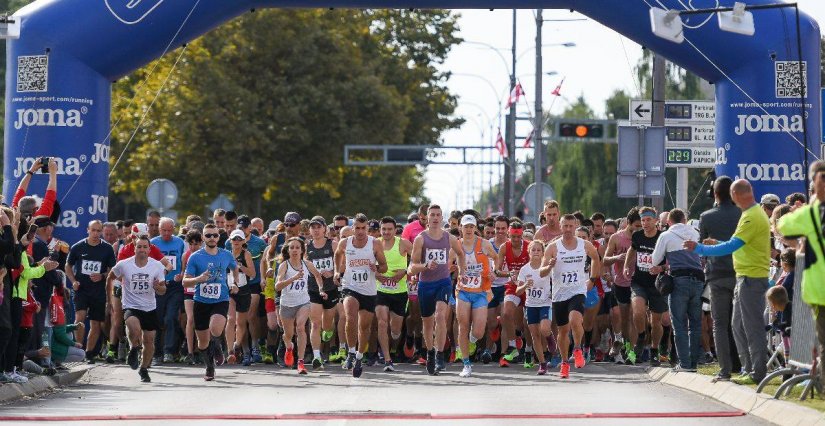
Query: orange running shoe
{"points": [[503, 362], [564, 373], [231, 359], [578, 357], [301, 368], [289, 357]]}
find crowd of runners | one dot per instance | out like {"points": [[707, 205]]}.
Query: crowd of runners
{"points": [[444, 287]]}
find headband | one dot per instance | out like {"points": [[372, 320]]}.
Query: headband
{"points": [[516, 231], [648, 214]]}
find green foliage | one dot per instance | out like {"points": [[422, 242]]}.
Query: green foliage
{"points": [[261, 108]]}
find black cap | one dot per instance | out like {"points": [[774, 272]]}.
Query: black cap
{"points": [[292, 218], [43, 221], [244, 221], [375, 225], [317, 220]]}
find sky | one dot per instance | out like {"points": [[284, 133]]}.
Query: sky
{"points": [[480, 81]]}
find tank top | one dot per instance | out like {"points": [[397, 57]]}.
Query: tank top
{"points": [[477, 275], [322, 259], [622, 246], [438, 251], [359, 277], [243, 280], [497, 281], [539, 294], [394, 262], [569, 275], [296, 293], [514, 263]]}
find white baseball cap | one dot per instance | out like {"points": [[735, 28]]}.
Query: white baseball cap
{"points": [[468, 219], [140, 230], [237, 233]]}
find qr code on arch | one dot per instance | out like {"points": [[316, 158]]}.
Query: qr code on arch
{"points": [[788, 83], [32, 73]]}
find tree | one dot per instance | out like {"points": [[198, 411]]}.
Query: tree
{"points": [[261, 108]]}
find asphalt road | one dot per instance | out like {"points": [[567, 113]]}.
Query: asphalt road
{"points": [[598, 394]]}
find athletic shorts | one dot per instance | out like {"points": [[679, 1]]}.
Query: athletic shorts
{"points": [[498, 297], [515, 299], [148, 319], [592, 298], [270, 306], [203, 313], [452, 301], [254, 288], [397, 302], [561, 310], [333, 297], [95, 307], [655, 301], [476, 300], [608, 302], [242, 301], [289, 312], [432, 292], [536, 314], [622, 295], [365, 303], [188, 296]]}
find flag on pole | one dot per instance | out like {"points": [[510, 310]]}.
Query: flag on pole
{"points": [[501, 147], [557, 90], [528, 141], [515, 95]]}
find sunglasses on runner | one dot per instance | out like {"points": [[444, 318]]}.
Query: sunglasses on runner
{"points": [[211, 235]]}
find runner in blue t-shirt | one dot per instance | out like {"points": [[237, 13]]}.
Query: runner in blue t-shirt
{"points": [[169, 304], [206, 271]]}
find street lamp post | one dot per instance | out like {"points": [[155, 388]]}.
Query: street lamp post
{"points": [[538, 144]]}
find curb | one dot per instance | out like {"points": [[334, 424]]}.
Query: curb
{"points": [[39, 384], [742, 398]]}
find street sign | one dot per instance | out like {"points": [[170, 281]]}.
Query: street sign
{"points": [[676, 112], [162, 194], [529, 197], [690, 156], [641, 162], [221, 202], [693, 134], [171, 214]]}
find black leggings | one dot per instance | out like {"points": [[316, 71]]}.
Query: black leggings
{"points": [[11, 348]]}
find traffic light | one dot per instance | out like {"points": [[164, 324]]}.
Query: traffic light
{"points": [[584, 130]]}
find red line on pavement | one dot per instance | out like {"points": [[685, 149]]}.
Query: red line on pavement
{"points": [[368, 416]]}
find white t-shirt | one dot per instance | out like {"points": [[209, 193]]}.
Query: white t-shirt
{"points": [[138, 283], [539, 295]]}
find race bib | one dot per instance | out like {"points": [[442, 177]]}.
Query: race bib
{"points": [[569, 277], [89, 267], [140, 285], [173, 260], [389, 284], [210, 291], [644, 261], [439, 256], [358, 276], [230, 279], [323, 265], [297, 285], [472, 278], [535, 293], [412, 288]]}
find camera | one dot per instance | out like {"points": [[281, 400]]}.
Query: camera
{"points": [[44, 164]]}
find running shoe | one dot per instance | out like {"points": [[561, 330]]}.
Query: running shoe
{"points": [[555, 361], [528, 360], [369, 359], [599, 355], [15, 377], [256, 354], [645, 355], [134, 358], [439, 362], [707, 358], [466, 371], [340, 356], [654, 361], [389, 367], [266, 356], [564, 372], [317, 364], [380, 359], [301, 368], [542, 370], [473, 347], [409, 347], [616, 348], [247, 360], [503, 362], [618, 358], [289, 357], [110, 357], [421, 361], [431, 362], [512, 355], [348, 364], [456, 356], [631, 357], [231, 359], [326, 336], [144, 375], [579, 358], [189, 359], [210, 374], [486, 356], [357, 369], [218, 355], [168, 359]]}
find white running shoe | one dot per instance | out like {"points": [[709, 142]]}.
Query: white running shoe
{"points": [[619, 358], [17, 378], [467, 371]]}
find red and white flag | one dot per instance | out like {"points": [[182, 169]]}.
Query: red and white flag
{"points": [[528, 141], [557, 90], [501, 147], [515, 95]]}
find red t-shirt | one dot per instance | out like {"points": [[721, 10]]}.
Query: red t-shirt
{"points": [[128, 251], [46, 207]]}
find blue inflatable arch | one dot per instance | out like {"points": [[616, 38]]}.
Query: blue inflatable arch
{"points": [[60, 70]]}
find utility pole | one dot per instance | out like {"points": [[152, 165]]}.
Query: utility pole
{"points": [[510, 161], [538, 151], [658, 113]]}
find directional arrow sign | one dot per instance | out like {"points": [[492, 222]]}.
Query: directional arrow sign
{"points": [[676, 112], [641, 111]]}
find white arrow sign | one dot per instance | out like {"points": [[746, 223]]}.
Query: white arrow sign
{"points": [[676, 112]]}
